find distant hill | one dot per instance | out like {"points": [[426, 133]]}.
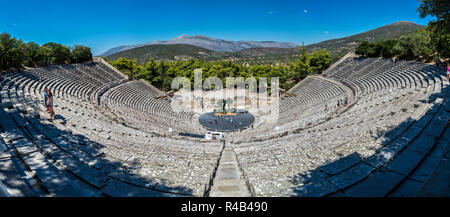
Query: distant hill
{"points": [[340, 46], [169, 52], [208, 43], [118, 49], [344, 45], [258, 53]]}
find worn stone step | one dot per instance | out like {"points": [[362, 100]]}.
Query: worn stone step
{"points": [[53, 179], [379, 184], [228, 173], [230, 191], [405, 162], [352, 175], [230, 188], [229, 165], [228, 182], [437, 183], [12, 181], [81, 170], [409, 188], [116, 188]]}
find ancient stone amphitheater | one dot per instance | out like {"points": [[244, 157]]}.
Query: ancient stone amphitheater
{"points": [[366, 127]]}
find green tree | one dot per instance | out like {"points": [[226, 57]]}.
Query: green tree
{"points": [[439, 29], [12, 52], [80, 54], [35, 55], [362, 48], [415, 45], [301, 67], [438, 8], [320, 60], [303, 54], [124, 65], [386, 48], [440, 38], [167, 82], [59, 54]]}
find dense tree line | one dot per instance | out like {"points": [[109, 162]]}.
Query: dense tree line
{"points": [[161, 73], [14, 53], [434, 41], [413, 46], [438, 29]]}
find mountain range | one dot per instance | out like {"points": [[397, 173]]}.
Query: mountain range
{"points": [[206, 42], [252, 52]]}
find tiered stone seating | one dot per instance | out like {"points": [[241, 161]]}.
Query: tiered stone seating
{"points": [[135, 101], [85, 152], [316, 100], [386, 140], [381, 145]]}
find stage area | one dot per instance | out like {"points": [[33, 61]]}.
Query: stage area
{"points": [[229, 122]]}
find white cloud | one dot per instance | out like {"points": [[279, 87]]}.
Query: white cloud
{"points": [[270, 12], [326, 32], [305, 11]]}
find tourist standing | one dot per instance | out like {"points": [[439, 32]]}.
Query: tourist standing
{"points": [[46, 98], [50, 105]]}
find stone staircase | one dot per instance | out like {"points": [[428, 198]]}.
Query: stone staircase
{"points": [[229, 181]]}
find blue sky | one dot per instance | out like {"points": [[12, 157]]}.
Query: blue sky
{"points": [[104, 24]]}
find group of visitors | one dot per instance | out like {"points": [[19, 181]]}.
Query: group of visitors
{"points": [[48, 100], [341, 102]]}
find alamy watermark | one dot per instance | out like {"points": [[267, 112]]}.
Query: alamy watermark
{"points": [[240, 94]]}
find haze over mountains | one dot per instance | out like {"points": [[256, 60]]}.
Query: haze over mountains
{"points": [[208, 43], [207, 48]]}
